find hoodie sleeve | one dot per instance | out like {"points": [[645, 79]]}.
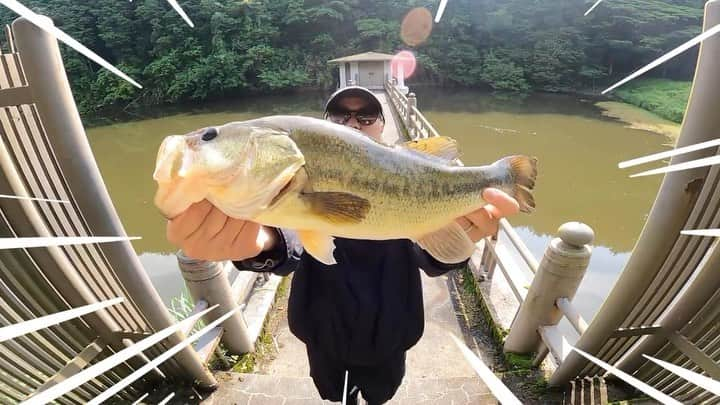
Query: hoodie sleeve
{"points": [[431, 266], [282, 260]]}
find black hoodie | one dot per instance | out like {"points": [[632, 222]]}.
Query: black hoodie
{"points": [[361, 310]]}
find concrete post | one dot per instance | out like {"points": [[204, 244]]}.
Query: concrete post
{"points": [[208, 281], [343, 80], [409, 122], [401, 75], [559, 275]]}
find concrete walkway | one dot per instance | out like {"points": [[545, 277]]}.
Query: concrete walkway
{"points": [[435, 355], [437, 373], [392, 132]]}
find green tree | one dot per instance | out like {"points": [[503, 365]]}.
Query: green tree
{"points": [[502, 74], [241, 47]]}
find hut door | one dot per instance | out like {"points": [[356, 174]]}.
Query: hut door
{"points": [[372, 74]]}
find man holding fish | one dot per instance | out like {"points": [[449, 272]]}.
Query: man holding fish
{"points": [[353, 218]]}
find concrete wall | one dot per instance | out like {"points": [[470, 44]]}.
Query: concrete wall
{"points": [[368, 74]]}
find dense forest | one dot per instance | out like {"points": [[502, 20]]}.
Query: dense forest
{"points": [[244, 47]]}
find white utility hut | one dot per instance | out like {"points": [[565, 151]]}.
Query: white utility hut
{"points": [[369, 69]]}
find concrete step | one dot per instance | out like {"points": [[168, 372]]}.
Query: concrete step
{"points": [[257, 389]]}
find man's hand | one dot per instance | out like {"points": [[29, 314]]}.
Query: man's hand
{"points": [[204, 232], [486, 220]]}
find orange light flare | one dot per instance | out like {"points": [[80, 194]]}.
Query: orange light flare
{"points": [[416, 26]]}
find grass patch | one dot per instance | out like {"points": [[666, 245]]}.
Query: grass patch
{"points": [[515, 370], [470, 286], [247, 362], [666, 98], [513, 361], [538, 387], [519, 361], [638, 118]]}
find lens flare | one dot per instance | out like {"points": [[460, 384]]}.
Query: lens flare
{"points": [[403, 61], [416, 26]]}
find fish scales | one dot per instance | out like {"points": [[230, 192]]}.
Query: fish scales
{"points": [[421, 188]]}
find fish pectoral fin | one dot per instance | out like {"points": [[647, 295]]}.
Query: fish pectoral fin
{"points": [[440, 146], [319, 246], [337, 207], [448, 245]]}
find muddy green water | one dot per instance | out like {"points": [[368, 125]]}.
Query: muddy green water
{"points": [[578, 149]]}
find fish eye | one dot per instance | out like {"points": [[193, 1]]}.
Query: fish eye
{"points": [[209, 134]]}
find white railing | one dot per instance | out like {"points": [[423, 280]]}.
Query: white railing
{"points": [[421, 126], [398, 100], [414, 122]]}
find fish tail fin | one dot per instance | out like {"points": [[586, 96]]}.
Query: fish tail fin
{"points": [[523, 172]]}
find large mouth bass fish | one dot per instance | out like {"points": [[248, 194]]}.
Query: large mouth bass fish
{"points": [[323, 180]]}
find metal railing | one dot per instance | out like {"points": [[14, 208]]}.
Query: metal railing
{"points": [[547, 296], [81, 321], [421, 127], [399, 102], [71, 302], [44, 153]]}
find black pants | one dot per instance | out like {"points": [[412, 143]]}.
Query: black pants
{"points": [[377, 383]]}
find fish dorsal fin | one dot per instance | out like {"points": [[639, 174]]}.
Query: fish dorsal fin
{"points": [[440, 146], [319, 246], [337, 207], [449, 245]]}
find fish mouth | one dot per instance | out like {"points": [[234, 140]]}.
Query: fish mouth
{"points": [[175, 191], [170, 158]]}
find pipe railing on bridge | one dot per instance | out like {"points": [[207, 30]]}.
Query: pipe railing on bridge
{"points": [[96, 299], [420, 125], [45, 153]]}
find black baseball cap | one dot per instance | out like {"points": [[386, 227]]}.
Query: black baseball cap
{"points": [[353, 91]]}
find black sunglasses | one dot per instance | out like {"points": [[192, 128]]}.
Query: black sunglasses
{"points": [[365, 118]]}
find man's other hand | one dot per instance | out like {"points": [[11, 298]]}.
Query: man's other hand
{"points": [[486, 220]]}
